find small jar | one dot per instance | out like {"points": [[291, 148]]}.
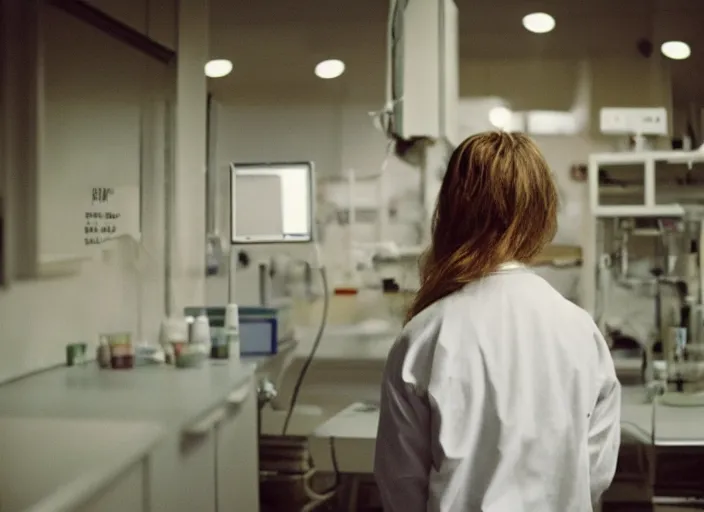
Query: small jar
{"points": [[174, 334], [121, 352]]}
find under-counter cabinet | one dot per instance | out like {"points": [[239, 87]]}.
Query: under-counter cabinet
{"points": [[157, 440], [75, 465], [127, 493], [217, 468], [237, 454], [194, 488]]}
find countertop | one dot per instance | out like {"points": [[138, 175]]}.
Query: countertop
{"points": [[349, 344], [162, 394], [140, 405]]}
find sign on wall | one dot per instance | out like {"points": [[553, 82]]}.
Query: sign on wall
{"points": [[110, 212]]}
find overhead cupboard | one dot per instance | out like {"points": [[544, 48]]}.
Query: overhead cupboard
{"points": [[95, 96]]}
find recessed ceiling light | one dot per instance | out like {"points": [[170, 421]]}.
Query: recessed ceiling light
{"points": [[328, 69], [500, 117], [218, 68], [538, 22], [676, 50]]}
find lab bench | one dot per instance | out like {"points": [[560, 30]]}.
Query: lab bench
{"points": [[144, 440]]}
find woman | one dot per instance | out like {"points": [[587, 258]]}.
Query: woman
{"points": [[499, 395]]}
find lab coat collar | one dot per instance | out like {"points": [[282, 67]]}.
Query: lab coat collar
{"points": [[510, 265]]}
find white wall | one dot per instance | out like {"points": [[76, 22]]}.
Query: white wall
{"points": [[112, 127]]}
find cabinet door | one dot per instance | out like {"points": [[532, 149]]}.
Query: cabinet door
{"points": [[237, 453], [196, 482], [126, 493], [182, 469]]}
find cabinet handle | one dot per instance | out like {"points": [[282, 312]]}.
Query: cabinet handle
{"points": [[239, 395], [207, 424]]}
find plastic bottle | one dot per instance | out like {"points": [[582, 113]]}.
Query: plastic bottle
{"points": [[232, 330], [201, 332]]}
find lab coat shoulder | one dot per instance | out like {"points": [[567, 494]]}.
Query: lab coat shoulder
{"points": [[411, 357]]}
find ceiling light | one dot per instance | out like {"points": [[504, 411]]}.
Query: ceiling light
{"points": [[218, 68], [500, 117], [676, 50], [538, 22], [328, 69]]}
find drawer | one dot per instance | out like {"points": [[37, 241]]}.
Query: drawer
{"points": [[632, 464], [678, 472]]}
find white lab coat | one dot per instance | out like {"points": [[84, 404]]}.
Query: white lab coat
{"points": [[501, 397]]}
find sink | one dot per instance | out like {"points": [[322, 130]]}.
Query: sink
{"points": [[57, 461]]}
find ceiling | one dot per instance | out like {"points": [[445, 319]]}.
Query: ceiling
{"points": [[274, 42]]}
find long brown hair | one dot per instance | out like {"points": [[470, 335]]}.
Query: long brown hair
{"points": [[497, 203]]}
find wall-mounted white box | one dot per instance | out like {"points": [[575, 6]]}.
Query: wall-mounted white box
{"points": [[641, 121]]}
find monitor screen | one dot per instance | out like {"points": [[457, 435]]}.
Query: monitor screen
{"points": [[271, 203]]}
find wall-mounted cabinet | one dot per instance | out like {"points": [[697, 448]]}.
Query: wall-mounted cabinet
{"points": [[155, 19], [84, 136]]}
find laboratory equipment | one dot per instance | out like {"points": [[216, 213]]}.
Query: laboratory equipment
{"points": [[423, 88], [627, 194], [271, 203], [680, 303], [643, 261], [271, 241]]}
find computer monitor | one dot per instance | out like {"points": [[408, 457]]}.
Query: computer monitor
{"points": [[271, 203]]}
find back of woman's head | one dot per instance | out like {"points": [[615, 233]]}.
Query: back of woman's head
{"points": [[497, 203]]}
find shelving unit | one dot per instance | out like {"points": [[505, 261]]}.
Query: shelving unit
{"points": [[648, 162]]}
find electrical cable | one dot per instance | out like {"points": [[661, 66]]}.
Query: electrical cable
{"points": [[314, 349], [335, 467], [327, 494]]}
